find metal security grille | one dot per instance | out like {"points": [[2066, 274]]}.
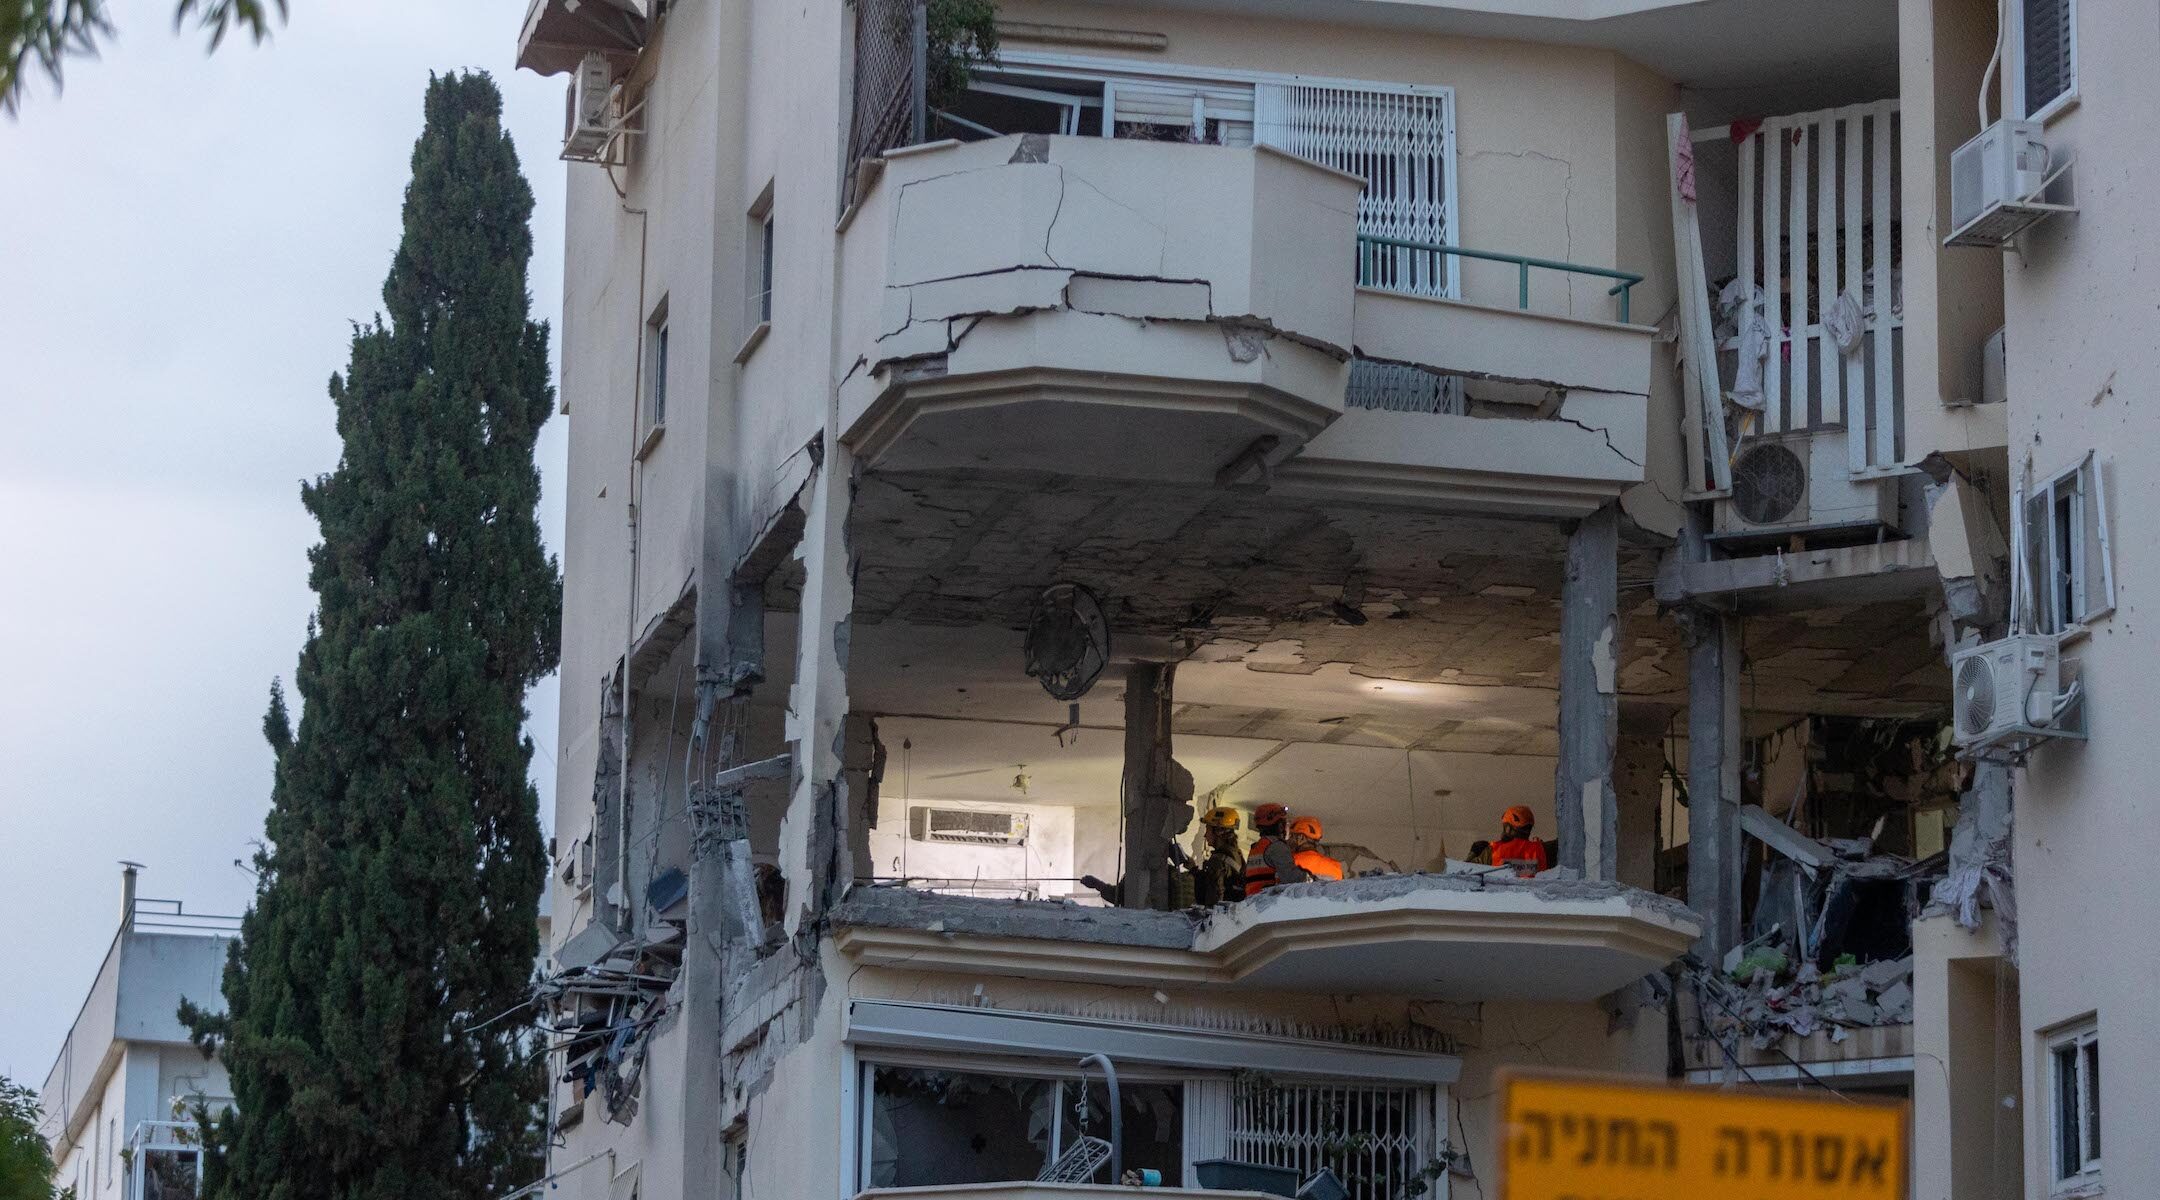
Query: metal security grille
{"points": [[1398, 142], [885, 83], [1395, 387], [1376, 1138]]}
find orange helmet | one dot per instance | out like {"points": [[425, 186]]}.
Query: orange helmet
{"points": [[1520, 817], [1306, 827], [1270, 814]]}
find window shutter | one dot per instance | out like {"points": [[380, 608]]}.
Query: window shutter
{"points": [[2050, 62], [1201, 114]]}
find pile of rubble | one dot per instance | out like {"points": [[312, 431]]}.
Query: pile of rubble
{"points": [[1760, 996]]}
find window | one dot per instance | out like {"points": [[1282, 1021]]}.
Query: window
{"points": [[758, 272], [933, 1127], [2046, 43], [654, 418], [112, 1150], [2067, 578], [761, 300], [2073, 1066]]}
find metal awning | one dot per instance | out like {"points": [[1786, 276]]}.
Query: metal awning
{"points": [[557, 34]]}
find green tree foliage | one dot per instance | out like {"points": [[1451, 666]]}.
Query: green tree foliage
{"points": [[26, 1167], [46, 33], [962, 35], [399, 886]]}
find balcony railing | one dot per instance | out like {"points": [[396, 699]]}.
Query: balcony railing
{"points": [[171, 916], [1415, 267]]}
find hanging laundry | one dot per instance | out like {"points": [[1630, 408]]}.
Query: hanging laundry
{"points": [[1843, 321], [1751, 332]]}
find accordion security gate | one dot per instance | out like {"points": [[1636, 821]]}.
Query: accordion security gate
{"points": [[1401, 143], [1377, 1138]]}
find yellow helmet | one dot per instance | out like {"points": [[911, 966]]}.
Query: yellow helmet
{"points": [[1222, 817]]}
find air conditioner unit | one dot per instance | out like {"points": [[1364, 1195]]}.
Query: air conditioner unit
{"points": [[588, 124], [967, 826], [1995, 184], [1801, 482], [2010, 692]]}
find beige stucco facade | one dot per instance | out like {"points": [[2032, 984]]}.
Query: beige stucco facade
{"points": [[837, 426]]}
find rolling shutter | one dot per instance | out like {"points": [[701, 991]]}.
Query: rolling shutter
{"points": [[1178, 111]]}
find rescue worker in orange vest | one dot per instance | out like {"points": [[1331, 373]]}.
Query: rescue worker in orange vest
{"points": [[1272, 859], [1516, 847], [1305, 834]]}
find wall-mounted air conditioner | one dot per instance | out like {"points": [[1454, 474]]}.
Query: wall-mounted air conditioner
{"points": [[2009, 693], [1996, 181], [1801, 482], [589, 123], [967, 826]]}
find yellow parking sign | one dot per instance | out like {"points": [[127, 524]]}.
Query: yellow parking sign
{"points": [[1592, 1138]]}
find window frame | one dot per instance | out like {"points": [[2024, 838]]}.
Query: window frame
{"points": [[2063, 100], [864, 1068], [2074, 616], [652, 397], [760, 272], [2082, 1042]]}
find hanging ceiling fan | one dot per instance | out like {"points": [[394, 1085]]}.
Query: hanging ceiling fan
{"points": [[1068, 640]]}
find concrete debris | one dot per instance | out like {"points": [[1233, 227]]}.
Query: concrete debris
{"points": [[1979, 871], [1769, 1004], [601, 1010]]}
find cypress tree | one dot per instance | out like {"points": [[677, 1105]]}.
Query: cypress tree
{"points": [[400, 877]]}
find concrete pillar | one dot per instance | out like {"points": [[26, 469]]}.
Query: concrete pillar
{"points": [[1584, 806], [1714, 862], [1639, 789], [1158, 792], [815, 834]]}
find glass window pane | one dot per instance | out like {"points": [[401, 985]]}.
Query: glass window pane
{"points": [[2069, 1142], [940, 1128]]}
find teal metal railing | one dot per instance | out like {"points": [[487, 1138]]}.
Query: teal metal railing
{"points": [[1420, 268]]}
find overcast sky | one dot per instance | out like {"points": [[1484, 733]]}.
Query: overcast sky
{"points": [[184, 243]]}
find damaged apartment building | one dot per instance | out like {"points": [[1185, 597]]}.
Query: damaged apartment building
{"points": [[983, 467]]}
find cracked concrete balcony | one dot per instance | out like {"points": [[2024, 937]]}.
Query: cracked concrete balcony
{"points": [[1445, 937], [1163, 312], [1088, 306]]}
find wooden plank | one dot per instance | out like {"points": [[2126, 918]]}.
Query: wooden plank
{"points": [[1798, 415], [1773, 185], [1883, 407], [1855, 363], [1830, 370], [1691, 337], [1747, 210], [1702, 421]]}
